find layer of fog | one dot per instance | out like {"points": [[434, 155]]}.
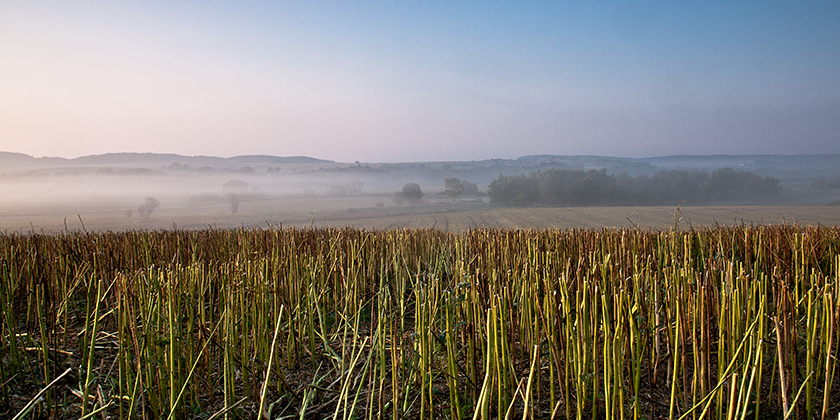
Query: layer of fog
{"points": [[127, 189], [185, 190], [127, 196]]}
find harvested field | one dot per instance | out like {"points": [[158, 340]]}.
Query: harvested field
{"points": [[373, 213], [724, 322]]}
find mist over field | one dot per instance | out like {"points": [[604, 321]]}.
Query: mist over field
{"points": [[418, 94], [131, 191]]}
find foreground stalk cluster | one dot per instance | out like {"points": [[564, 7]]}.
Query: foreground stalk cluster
{"points": [[721, 323]]}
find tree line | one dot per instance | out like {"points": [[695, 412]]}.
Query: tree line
{"points": [[567, 187]]}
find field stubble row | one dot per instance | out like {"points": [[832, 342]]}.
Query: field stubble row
{"points": [[725, 322]]}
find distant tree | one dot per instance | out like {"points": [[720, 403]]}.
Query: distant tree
{"points": [[337, 191], [574, 187], [454, 187], [410, 192], [517, 190], [470, 188], [819, 183], [148, 207], [727, 184], [351, 188], [176, 166], [674, 186], [822, 183], [234, 203], [235, 186], [355, 186], [723, 184]]}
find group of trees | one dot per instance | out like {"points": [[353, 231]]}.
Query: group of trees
{"points": [[822, 183], [563, 187], [454, 188], [353, 187]]}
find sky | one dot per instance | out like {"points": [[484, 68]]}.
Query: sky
{"points": [[398, 81]]}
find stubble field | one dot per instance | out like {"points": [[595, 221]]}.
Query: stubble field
{"points": [[355, 307], [724, 322]]}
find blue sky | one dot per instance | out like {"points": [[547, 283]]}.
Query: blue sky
{"points": [[411, 81]]}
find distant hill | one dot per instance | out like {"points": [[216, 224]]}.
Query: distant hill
{"points": [[786, 168], [11, 160], [140, 158], [805, 179], [14, 157], [19, 161], [130, 158], [276, 160]]}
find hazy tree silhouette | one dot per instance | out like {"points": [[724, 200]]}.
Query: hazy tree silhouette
{"points": [[148, 207], [355, 187], [574, 187], [470, 188], [234, 203], [454, 188], [411, 193], [517, 190]]}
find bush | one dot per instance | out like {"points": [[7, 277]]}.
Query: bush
{"points": [[411, 193]]}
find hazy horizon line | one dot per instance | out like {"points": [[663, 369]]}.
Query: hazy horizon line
{"points": [[528, 156]]}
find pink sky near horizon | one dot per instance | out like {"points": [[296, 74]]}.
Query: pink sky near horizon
{"points": [[385, 81]]}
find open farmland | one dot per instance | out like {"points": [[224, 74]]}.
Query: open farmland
{"points": [[656, 218], [378, 212], [723, 322]]}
